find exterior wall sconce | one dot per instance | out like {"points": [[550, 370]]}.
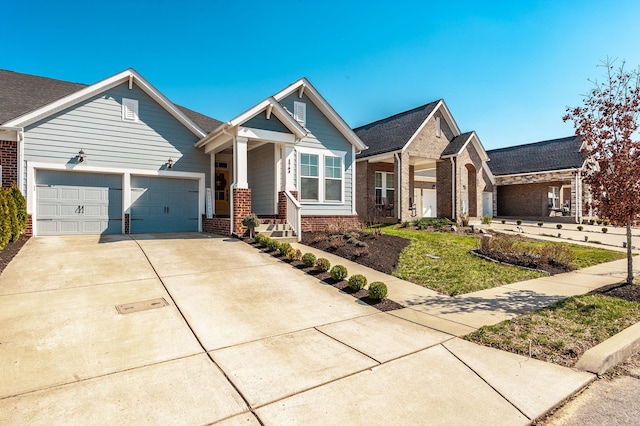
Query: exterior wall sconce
{"points": [[81, 156], [170, 163]]}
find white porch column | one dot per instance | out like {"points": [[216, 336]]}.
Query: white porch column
{"points": [[290, 166], [240, 161]]}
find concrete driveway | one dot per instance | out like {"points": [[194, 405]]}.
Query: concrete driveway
{"points": [[215, 331]]}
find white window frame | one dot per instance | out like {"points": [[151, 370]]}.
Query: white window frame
{"points": [[322, 154], [384, 188], [130, 110], [555, 201]]}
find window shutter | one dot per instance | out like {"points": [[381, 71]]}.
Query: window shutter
{"points": [[129, 110], [300, 112]]}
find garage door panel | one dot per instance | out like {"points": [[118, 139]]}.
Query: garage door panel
{"points": [[68, 203], [162, 204]]}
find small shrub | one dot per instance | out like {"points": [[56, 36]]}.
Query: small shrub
{"points": [[378, 290], [518, 222], [298, 254], [291, 254], [13, 217], [464, 219], [336, 244], [405, 224], [258, 238], [605, 222], [599, 221], [321, 238], [486, 219], [357, 282], [540, 224], [361, 251], [503, 221], [361, 244], [338, 272], [264, 241], [592, 221], [272, 245], [21, 207], [309, 259], [604, 230], [322, 264], [580, 227], [283, 248], [251, 221], [559, 226]]}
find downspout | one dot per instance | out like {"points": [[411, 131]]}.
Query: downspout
{"points": [[453, 189], [233, 185], [399, 195], [578, 196]]}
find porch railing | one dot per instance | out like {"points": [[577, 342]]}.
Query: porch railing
{"points": [[293, 215]]}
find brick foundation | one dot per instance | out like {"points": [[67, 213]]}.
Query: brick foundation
{"points": [[338, 223], [9, 162], [241, 208], [216, 225], [29, 229]]}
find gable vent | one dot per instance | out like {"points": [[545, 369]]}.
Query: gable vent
{"points": [[300, 112], [129, 110]]}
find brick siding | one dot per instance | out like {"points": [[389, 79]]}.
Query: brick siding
{"points": [[322, 223], [241, 208], [9, 162], [216, 225]]}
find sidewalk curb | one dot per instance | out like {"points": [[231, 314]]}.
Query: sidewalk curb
{"points": [[611, 352]]}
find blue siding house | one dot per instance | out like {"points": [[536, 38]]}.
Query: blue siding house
{"points": [[117, 156]]}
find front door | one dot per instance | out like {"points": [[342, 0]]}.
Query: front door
{"points": [[222, 192]]}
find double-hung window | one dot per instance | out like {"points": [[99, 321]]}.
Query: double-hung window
{"points": [[554, 197], [385, 188], [309, 177], [332, 178], [321, 177]]}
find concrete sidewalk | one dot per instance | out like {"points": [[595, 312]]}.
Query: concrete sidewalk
{"points": [[247, 339]]}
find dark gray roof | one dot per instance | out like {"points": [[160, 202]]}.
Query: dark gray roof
{"points": [[23, 93], [392, 133], [555, 154], [205, 122], [456, 144]]}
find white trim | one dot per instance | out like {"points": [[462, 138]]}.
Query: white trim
{"points": [[102, 86], [32, 167], [321, 153], [265, 135], [538, 173], [354, 173], [448, 116], [10, 133], [312, 94], [384, 156]]}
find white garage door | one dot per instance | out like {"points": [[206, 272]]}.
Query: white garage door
{"points": [[72, 203], [161, 204]]}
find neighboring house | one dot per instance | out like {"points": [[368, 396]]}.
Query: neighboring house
{"points": [[540, 179], [419, 164], [118, 157]]}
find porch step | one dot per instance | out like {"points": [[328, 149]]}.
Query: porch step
{"points": [[277, 231]]}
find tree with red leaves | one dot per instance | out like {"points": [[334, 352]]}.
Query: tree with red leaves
{"points": [[608, 124]]}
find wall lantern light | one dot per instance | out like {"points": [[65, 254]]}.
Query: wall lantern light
{"points": [[170, 163], [81, 156]]}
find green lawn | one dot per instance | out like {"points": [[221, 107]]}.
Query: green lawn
{"points": [[562, 332], [458, 272]]}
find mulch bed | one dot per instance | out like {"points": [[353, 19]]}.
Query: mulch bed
{"points": [[361, 295], [10, 251], [621, 291], [383, 250]]}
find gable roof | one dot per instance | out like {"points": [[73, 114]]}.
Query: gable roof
{"points": [[26, 98], [392, 133], [549, 155], [304, 86], [457, 144]]}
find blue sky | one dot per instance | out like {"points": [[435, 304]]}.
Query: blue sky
{"points": [[506, 69]]}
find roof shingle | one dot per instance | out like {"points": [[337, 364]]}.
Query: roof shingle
{"points": [[392, 133], [23, 93], [555, 154]]}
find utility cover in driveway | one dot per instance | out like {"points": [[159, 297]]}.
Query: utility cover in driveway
{"points": [[129, 308]]}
